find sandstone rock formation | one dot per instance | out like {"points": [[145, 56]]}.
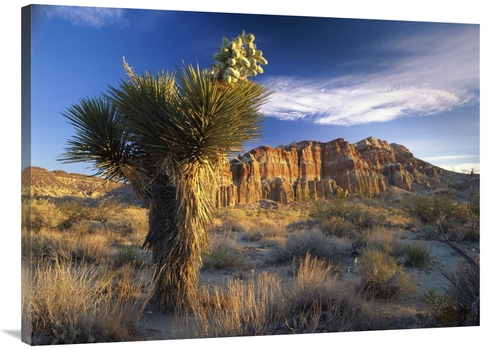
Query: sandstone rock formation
{"points": [[299, 171], [312, 170]]}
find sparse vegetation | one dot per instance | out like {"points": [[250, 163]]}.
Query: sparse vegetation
{"points": [[129, 255], [381, 276], [69, 304], [313, 301], [417, 255], [222, 253], [310, 242], [308, 279]]}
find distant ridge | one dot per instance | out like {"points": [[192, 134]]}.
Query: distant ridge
{"points": [[58, 183], [298, 171]]}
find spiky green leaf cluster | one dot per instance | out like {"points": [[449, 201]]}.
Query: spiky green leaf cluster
{"points": [[238, 59]]}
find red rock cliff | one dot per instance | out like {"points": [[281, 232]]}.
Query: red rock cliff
{"points": [[312, 170]]}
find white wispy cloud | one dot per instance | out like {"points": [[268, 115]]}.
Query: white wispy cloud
{"points": [[418, 76], [458, 163], [96, 17], [462, 167], [448, 158]]}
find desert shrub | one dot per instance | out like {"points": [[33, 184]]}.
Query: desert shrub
{"points": [[40, 214], [430, 210], [459, 305], [74, 212], [266, 230], [301, 225], [381, 276], [339, 227], [313, 242], [70, 304], [319, 302], [233, 219], [341, 217], [417, 255], [383, 239], [363, 216], [314, 302], [398, 218], [129, 255], [128, 221], [465, 291], [234, 226], [464, 234], [222, 253], [442, 310]]}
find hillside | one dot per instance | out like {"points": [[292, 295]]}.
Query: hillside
{"points": [[58, 183]]}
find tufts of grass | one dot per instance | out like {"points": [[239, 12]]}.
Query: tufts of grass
{"points": [[381, 276], [241, 308], [313, 301], [346, 218], [383, 238], [318, 302], [63, 246], [222, 253], [70, 304], [267, 231], [129, 255], [310, 242], [417, 255]]}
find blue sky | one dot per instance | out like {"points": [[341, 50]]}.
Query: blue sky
{"points": [[407, 82]]}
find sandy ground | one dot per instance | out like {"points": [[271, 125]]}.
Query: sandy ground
{"points": [[400, 313]]}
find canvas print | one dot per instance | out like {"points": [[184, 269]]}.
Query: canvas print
{"points": [[210, 175]]}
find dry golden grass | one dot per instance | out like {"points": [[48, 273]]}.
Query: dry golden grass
{"points": [[68, 304], [382, 277], [57, 245], [222, 252], [240, 308], [313, 298], [383, 238], [313, 301], [248, 219]]}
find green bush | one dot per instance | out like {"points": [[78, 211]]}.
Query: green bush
{"points": [[442, 310], [417, 255], [341, 217], [129, 255], [430, 210], [338, 227], [382, 277]]}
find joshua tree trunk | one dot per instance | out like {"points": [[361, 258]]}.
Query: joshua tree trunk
{"points": [[176, 255]]}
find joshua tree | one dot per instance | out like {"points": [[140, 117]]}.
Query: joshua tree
{"points": [[168, 135]]}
